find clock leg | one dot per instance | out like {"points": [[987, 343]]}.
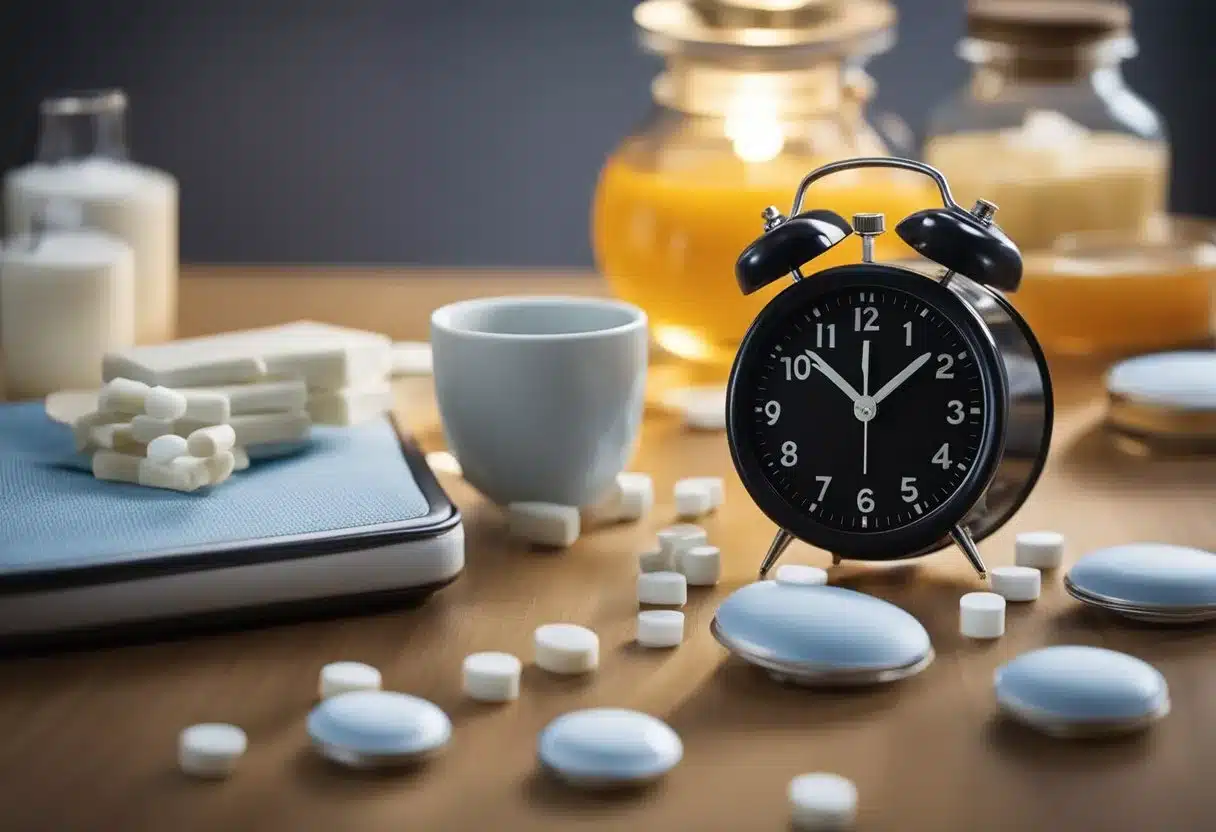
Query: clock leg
{"points": [[780, 543], [962, 538]]}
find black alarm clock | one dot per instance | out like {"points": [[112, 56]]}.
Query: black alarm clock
{"points": [[884, 411]]}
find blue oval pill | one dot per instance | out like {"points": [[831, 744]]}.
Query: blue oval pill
{"points": [[368, 728], [609, 746], [1150, 575]]}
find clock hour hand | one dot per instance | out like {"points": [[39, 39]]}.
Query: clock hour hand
{"points": [[902, 376], [834, 377]]}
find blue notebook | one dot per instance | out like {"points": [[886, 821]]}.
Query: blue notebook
{"points": [[349, 490]]}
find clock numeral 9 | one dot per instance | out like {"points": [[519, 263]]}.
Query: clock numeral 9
{"points": [[865, 500], [907, 489], [798, 367], [955, 417], [789, 454], [772, 409], [945, 366], [870, 324]]}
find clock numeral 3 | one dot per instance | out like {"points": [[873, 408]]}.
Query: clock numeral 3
{"points": [[942, 457], [955, 417], [945, 366], [772, 409], [870, 316], [865, 500], [789, 454], [907, 489], [798, 367]]}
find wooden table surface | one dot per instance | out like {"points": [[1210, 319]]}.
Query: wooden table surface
{"points": [[89, 738]]}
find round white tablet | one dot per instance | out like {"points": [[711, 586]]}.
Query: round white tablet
{"points": [[681, 536], [982, 615], [166, 448], [1039, 550], [660, 628], [163, 403], [211, 749], [701, 565], [692, 500], [345, 677], [703, 408], [664, 589], [606, 747], [1016, 583], [656, 560], [714, 486], [491, 676], [566, 648], [372, 728], [822, 801], [800, 575], [411, 358]]}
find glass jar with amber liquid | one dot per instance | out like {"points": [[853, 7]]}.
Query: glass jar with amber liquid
{"points": [[754, 94]]}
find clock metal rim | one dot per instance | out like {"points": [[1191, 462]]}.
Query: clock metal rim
{"points": [[927, 533]]}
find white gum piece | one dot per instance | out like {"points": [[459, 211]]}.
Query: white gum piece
{"points": [[220, 467], [258, 429], [182, 474], [145, 428], [237, 370], [240, 459], [206, 406], [283, 396], [212, 440], [164, 403], [116, 467], [124, 396], [82, 428], [165, 449]]}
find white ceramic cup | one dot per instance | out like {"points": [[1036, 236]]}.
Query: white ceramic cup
{"points": [[541, 398]]}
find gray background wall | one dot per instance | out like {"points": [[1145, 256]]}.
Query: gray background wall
{"points": [[458, 132]]}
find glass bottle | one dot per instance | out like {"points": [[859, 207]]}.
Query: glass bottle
{"points": [[754, 94]]}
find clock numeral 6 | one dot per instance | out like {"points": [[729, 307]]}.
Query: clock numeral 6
{"points": [[955, 417], [798, 367], [865, 319], [865, 500], [789, 454], [772, 409], [907, 489]]}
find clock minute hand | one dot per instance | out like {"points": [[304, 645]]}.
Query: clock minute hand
{"points": [[903, 375], [834, 377]]}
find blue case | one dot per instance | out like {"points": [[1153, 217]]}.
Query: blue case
{"points": [[352, 490]]}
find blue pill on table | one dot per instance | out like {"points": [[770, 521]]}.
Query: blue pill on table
{"points": [[609, 747], [375, 729], [1150, 581], [1078, 691]]}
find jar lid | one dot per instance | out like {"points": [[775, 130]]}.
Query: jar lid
{"points": [[1047, 24], [766, 29]]}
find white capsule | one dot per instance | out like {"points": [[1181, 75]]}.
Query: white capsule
{"points": [[211, 441], [346, 677], [219, 467], [240, 459], [186, 473], [660, 628], [122, 396], [207, 406], [166, 448], [675, 539], [714, 485], [145, 428], [543, 524], [703, 408], [163, 403], [799, 575], [1039, 550], [701, 565], [662, 589], [566, 649], [491, 676], [822, 801], [83, 426], [115, 467], [115, 436], [982, 615], [1016, 583], [656, 560], [693, 499], [210, 749]]}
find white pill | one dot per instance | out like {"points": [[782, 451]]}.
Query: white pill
{"points": [[1016, 583], [207, 406], [800, 575], [219, 467], [703, 408], [1040, 550], [675, 539], [122, 395], [346, 677], [145, 428], [163, 403], [116, 467], [82, 426], [186, 473], [660, 628], [544, 524], [211, 441], [442, 462], [491, 676], [166, 448], [211, 749], [566, 648], [635, 496], [663, 589], [692, 499], [240, 459], [656, 560], [822, 801], [701, 565], [411, 358], [115, 437], [714, 485], [982, 615]]}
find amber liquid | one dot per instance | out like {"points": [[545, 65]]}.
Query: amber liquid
{"points": [[667, 240]]}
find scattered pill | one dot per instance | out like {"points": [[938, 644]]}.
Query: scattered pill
{"points": [[211, 441], [544, 524], [210, 749], [660, 628], [800, 575], [982, 615], [207, 406], [692, 500], [637, 495], [701, 565], [346, 677], [606, 747], [145, 428], [656, 560], [116, 467], [240, 459], [123, 396], [822, 801], [491, 676], [677, 538], [257, 428], [163, 403], [115, 436], [1016, 583], [703, 408], [1040, 550], [368, 729], [220, 467], [663, 589], [411, 358], [1151, 581], [82, 427], [713, 485], [167, 448], [182, 474], [566, 649], [442, 462]]}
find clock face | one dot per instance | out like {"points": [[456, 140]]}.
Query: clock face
{"points": [[866, 410]]}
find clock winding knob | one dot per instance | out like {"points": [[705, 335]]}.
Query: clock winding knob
{"points": [[772, 217], [868, 226]]}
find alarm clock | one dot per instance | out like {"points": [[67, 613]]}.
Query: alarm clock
{"points": [[883, 411]]}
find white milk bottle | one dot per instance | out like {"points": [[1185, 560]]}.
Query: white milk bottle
{"points": [[67, 297], [82, 158]]}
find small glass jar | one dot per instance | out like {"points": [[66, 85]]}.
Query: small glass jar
{"points": [[754, 95], [1047, 128]]}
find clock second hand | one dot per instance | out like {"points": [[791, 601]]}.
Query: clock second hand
{"points": [[865, 391]]}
